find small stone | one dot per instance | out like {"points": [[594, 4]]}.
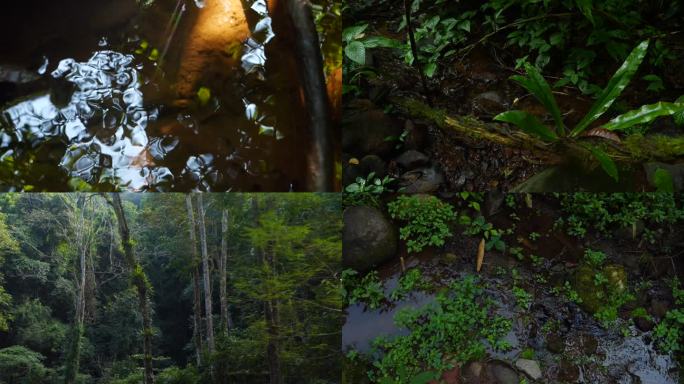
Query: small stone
{"points": [[530, 368], [412, 159], [659, 308], [644, 324]]}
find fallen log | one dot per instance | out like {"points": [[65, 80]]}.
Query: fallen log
{"points": [[633, 149]]}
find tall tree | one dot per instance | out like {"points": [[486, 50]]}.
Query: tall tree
{"points": [[223, 278], [140, 282], [206, 273], [196, 291], [82, 242]]}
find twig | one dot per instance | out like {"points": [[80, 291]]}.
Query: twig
{"points": [[414, 50]]}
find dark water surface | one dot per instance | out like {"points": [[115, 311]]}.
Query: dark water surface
{"points": [[144, 95]]}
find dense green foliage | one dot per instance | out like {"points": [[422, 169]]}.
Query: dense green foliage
{"points": [[608, 212], [452, 330], [537, 86], [670, 332], [282, 249], [427, 220]]}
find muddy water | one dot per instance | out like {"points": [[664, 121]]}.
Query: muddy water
{"points": [[97, 95]]}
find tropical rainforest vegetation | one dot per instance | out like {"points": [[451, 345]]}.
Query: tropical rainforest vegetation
{"points": [[515, 94], [169, 288]]}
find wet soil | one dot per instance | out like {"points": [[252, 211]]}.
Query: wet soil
{"points": [[476, 83], [569, 344]]}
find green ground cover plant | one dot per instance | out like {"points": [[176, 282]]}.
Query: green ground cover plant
{"points": [[426, 219], [454, 329]]}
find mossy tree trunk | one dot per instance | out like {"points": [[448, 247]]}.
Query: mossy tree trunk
{"points": [[632, 149], [141, 283]]}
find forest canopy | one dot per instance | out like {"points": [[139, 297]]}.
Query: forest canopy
{"points": [[170, 288]]}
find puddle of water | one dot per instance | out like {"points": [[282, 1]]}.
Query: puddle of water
{"points": [[102, 108]]}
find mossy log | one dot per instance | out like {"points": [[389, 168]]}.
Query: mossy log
{"points": [[633, 149]]}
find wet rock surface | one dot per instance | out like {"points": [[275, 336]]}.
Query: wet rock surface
{"points": [[369, 238], [569, 344]]}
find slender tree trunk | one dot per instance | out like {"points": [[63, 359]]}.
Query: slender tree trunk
{"points": [[223, 265], [272, 321], [206, 273], [141, 283], [74, 355], [197, 292]]}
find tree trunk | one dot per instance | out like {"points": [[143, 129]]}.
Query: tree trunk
{"points": [[206, 274], [223, 265], [272, 320], [141, 283], [74, 354], [197, 292], [320, 158]]}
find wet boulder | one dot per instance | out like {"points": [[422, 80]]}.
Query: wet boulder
{"points": [[412, 159], [593, 296], [369, 238], [421, 180]]}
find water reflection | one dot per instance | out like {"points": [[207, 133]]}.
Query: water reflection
{"points": [[104, 122], [106, 109]]}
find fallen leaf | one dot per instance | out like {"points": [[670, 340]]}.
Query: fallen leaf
{"points": [[603, 133], [480, 254]]}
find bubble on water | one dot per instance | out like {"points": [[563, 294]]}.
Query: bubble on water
{"points": [[43, 66]]}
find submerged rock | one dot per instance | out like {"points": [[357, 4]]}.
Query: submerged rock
{"points": [[369, 238], [593, 296]]}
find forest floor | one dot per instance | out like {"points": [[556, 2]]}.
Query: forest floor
{"points": [[571, 319], [474, 81]]}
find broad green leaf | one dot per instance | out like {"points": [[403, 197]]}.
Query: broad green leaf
{"points": [[430, 69], [615, 86], [528, 123], [356, 52], [662, 179], [606, 162], [382, 42], [586, 7], [645, 114], [537, 85], [354, 32], [679, 117]]}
